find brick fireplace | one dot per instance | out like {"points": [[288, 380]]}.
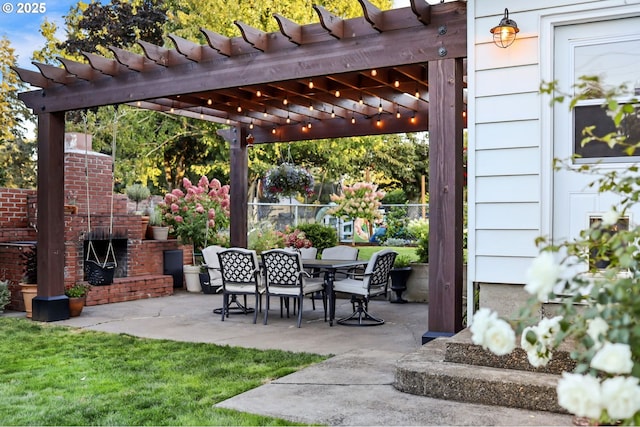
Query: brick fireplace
{"points": [[140, 261]]}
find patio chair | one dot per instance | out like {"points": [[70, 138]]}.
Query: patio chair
{"points": [[374, 282], [212, 264], [341, 252], [285, 278], [240, 276]]}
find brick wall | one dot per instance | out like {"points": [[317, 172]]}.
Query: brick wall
{"points": [[145, 258]]}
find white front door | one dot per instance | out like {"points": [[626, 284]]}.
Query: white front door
{"points": [[610, 49]]}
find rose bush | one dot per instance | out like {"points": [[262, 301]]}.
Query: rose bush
{"points": [[595, 279], [198, 213]]}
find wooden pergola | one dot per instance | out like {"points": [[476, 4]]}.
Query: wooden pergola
{"points": [[392, 71]]}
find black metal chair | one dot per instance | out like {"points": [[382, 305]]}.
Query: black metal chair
{"points": [[240, 276], [374, 282], [286, 278]]}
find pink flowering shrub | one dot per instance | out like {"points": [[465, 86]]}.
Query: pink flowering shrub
{"points": [[196, 214], [294, 238], [360, 200]]}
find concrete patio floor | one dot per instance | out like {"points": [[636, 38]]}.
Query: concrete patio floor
{"points": [[355, 387]]}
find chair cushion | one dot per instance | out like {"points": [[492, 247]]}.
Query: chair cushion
{"points": [[350, 286], [240, 288]]}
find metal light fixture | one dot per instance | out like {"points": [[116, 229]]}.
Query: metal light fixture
{"points": [[504, 34]]}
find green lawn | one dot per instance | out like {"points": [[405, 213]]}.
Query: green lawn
{"points": [[51, 375], [365, 252]]}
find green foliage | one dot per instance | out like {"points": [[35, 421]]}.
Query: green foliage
{"points": [[420, 229], [264, 237], [157, 218], [117, 379], [322, 236], [402, 261], [77, 290], [395, 197], [137, 193], [397, 222], [5, 294]]}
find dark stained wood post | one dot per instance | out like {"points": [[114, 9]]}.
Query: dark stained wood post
{"points": [[445, 198], [237, 138], [51, 304]]}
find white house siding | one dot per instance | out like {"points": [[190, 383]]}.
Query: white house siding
{"points": [[509, 154]]}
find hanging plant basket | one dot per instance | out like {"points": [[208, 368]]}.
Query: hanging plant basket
{"points": [[287, 180]]}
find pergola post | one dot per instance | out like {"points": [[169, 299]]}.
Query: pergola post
{"points": [[237, 138], [445, 198], [51, 303]]}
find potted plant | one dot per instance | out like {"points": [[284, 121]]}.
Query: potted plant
{"points": [[196, 215], [5, 294], [29, 283], [399, 276], [77, 297], [288, 180], [137, 193], [159, 228]]}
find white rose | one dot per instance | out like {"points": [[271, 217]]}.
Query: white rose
{"points": [[621, 397], [539, 357], [542, 276], [524, 343], [481, 321], [547, 330], [580, 395], [613, 358], [597, 327], [500, 338], [610, 218]]}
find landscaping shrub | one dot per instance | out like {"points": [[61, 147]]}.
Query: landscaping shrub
{"points": [[322, 236]]}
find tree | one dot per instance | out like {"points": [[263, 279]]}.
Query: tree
{"points": [[17, 153]]}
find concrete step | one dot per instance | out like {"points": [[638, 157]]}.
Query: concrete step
{"points": [[454, 369]]}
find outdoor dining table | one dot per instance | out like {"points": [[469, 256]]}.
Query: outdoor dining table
{"points": [[329, 267]]}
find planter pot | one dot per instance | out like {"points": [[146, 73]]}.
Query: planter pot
{"points": [[192, 278], [144, 223], [399, 278], [160, 233], [29, 292], [76, 305]]}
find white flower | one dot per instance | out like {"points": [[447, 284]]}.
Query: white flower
{"points": [[621, 397], [610, 218], [613, 358], [539, 357], [542, 276], [595, 328], [547, 330], [500, 338], [580, 395], [482, 320], [537, 353], [524, 342]]}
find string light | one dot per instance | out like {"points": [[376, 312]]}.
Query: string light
{"points": [[310, 83], [333, 113], [288, 118], [310, 107], [258, 93], [251, 125], [380, 106], [285, 101], [379, 122], [337, 93], [361, 100], [309, 125], [353, 120], [413, 119], [239, 109], [273, 131], [398, 113], [209, 101], [228, 120], [417, 93], [265, 113], [396, 83], [138, 103], [374, 72]]}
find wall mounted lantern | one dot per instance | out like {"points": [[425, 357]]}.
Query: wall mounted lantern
{"points": [[504, 34]]}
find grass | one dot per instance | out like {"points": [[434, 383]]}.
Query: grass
{"points": [[365, 252], [52, 375]]}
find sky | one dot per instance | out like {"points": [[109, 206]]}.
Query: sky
{"points": [[20, 23]]}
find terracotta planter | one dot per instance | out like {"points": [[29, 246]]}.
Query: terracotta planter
{"points": [[29, 292], [144, 224], [76, 305]]}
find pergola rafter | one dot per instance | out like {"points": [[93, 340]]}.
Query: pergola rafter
{"points": [[370, 75]]}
